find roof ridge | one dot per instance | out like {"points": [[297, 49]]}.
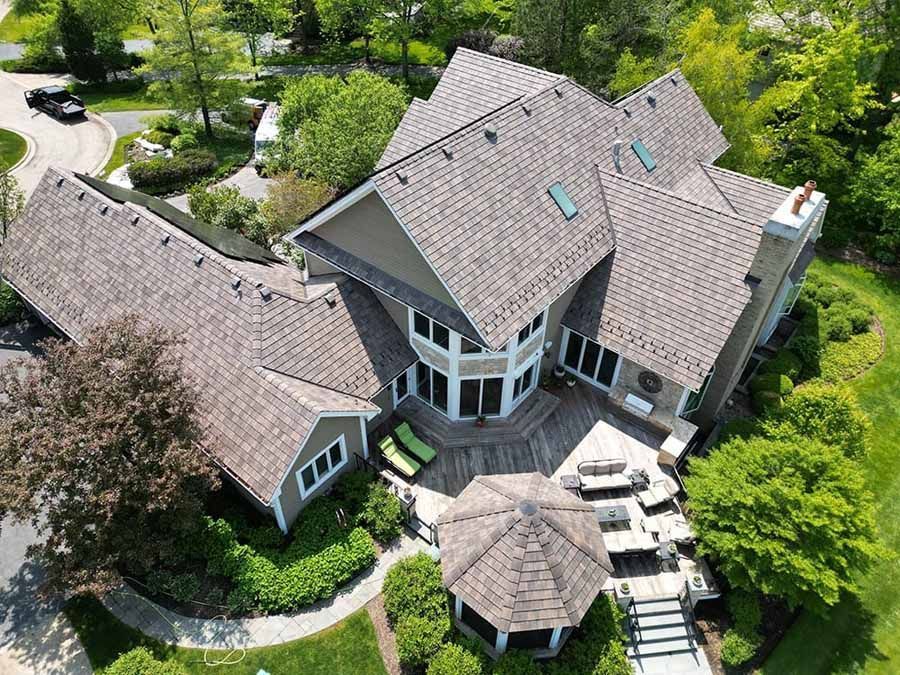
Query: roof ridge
{"points": [[506, 62], [681, 198], [637, 90], [716, 185], [744, 176]]}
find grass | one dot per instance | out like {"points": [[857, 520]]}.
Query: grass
{"points": [[350, 647], [420, 53], [113, 97], [17, 27], [860, 635], [118, 155], [12, 148]]}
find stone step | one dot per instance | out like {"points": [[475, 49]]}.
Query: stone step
{"points": [[663, 633], [661, 647], [657, 606], [657, 620]]}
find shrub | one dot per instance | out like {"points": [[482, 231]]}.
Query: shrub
{"points": [[613, 661], [786, 363], [773, 382], [739, 647], [162, 173], [745, 427], [140, 661], [167, 123], [836, 324], [600, 632], [452, 659], [420, 637], [353, 487], [321, 557], [808, 349], [184, 142], [184, 587], [844, 360], [508, 47], [516, 662], [12, 308], [478, 39], [745, 610], [381, 513], [413, 587], [162, 138], [826, 413], [765, 402]]}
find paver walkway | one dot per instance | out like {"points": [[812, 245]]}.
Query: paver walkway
{"points": [[167, 626]]}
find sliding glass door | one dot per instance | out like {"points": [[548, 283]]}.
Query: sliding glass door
{"points": [[431, 386], [481, 396], [591, 360]]}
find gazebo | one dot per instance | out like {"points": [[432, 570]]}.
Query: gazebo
{"points": [[524, 560]]}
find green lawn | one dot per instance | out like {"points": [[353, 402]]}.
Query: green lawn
{"points": [[12, 148], [118, 155], [113, 98], [349, 648], [420, 53], [16, 27], [863, 634]]}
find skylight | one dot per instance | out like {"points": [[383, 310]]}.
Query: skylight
{"points": [[565, 204], [644, 155]]}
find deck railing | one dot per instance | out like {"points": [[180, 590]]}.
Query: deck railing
{"points": [[684, 598]]}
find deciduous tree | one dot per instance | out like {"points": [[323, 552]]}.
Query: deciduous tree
{"points": [[100, 448], [255, 18], [790, 518], [194, 59], [12, 200]]}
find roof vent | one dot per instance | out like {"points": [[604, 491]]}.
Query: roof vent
{"points": [[616, 149], [60, 181], [651, 99], [103, 209], [330, 300], [526, 108], [235, 282], [627, 112], [752, 280], [448, 153], [265, 292], [81, 195], [558, 91], [164, 239], [402, 176], [135, 219], [490, 131], [527, 507], [673, 80], [198, 258]]}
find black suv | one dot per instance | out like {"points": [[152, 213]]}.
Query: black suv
{"points": [[55, 101]]}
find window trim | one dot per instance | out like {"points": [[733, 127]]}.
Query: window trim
{"points": [[701, 394], [430, 337], [480, 379], [397, 401], [563, 353], [415, 387], [320, 480], [530, 327]]}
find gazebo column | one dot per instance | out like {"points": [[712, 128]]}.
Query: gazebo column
{"points": [[554, 637], [501, 642], [458, 607]]}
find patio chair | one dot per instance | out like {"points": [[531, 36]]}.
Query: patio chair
{"points": [[629, 543], [414, 444], [659, 492], [397, 458], [669, 527]]}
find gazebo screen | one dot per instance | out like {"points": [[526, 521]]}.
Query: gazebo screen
{"points": [[479, 624], [529, 639]]}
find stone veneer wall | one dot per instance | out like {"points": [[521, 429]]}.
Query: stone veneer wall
{"points": [[432, 356], [489, 365], [664, 400]]}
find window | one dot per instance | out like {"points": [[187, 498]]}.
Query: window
{"points": [[431, 386], [523, 383], [401, 387], [593, 361], [322, 467], [792, 295], [431, 330], [695, 398], [531, 328], [563, 201], [644, 155], [466, 346], [480, 396]]}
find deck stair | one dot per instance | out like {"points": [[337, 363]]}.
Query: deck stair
{"points": [[660, 626]]}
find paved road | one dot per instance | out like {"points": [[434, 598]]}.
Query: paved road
{"points": [[35, 637], [129, 121], [81, 145]]}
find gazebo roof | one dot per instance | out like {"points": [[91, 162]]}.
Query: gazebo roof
{"points": [[522, 552]]}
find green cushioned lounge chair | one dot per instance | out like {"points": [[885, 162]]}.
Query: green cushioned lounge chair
{"points": [[399, 459], [415, 445]]}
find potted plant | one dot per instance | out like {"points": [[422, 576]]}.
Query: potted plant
{"points": [[625, 588], [570, 380], [673, 549], [697, 580], [558, 371], [480, 421]]}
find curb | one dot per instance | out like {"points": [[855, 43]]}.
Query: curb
{"points": [[29, 149], [113, 136]]}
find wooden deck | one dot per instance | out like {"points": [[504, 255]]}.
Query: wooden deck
{"points": [[583, 425]]}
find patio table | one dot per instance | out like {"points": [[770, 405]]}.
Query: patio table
{"points": [[665, 557], [615, 513]]}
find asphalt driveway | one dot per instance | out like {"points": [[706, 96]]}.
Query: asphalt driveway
{"points": [[35, 637]]}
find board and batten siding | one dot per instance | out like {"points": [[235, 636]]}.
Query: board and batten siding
{"points": [[368, 230], [326, 432]]}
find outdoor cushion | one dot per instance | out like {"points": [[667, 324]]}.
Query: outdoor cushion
{"points": [[603, 474], [629, 542], [401, 461], [659, 492], [416, 446], [602, 467]]}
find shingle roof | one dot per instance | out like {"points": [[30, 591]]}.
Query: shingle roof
{"points": [[670, 294], [483, 217], [83, 259], [522, 552]]}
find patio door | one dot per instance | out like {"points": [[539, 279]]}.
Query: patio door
{"points": [[431, 386], [480, 396], [590, 360]]}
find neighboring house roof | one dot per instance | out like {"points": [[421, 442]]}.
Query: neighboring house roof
{"points": [[482, 216], [669, 295], [522, 552], [83, 259]]}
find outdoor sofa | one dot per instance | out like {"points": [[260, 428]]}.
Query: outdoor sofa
{"points": [[603, 474]]}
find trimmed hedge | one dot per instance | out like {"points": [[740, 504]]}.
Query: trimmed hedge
{"points": [[322, 557], [739, 646], [452, 659], [163, 173], [774, 382], [786, 362], [140, 661]]}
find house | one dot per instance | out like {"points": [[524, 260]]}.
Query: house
{"points": [[516, 221]]}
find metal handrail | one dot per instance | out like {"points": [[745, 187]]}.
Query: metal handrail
{"points": [[631, 612], [686, 607]]}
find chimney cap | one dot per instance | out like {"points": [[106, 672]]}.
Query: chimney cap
{"points": [[490, 130], [798, 203]]}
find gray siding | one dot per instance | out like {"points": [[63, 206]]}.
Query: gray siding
{"points": [[553, 331], [384, 400], [398, 311], [368, 229], [326, 432]]}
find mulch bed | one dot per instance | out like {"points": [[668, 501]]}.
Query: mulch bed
{"points": [[386, 641]]}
